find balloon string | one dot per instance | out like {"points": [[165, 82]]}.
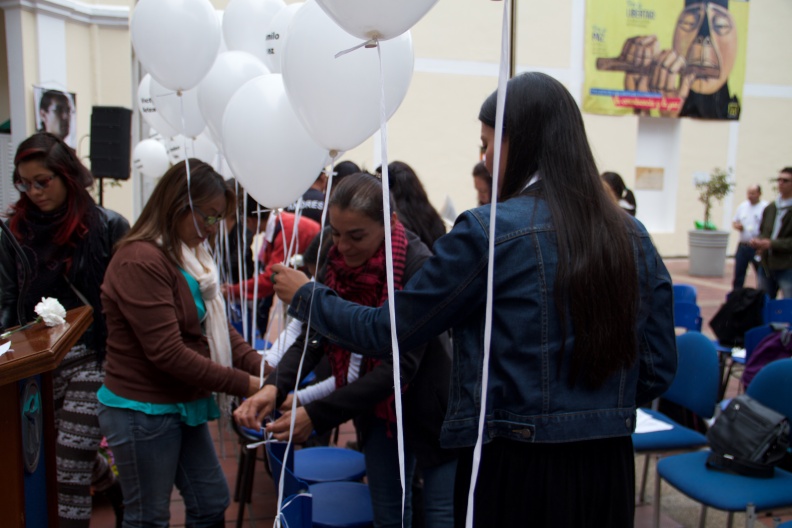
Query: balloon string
{"points": [[187, 166], [389, 272], [500, 105], [373, 43]]}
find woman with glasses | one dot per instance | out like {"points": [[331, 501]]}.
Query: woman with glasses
{"points": [[169, 347], [67, 241]]}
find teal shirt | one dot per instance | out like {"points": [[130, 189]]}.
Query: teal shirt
{"points": [[192, 413]]}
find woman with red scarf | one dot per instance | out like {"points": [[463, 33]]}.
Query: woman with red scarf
{"points": [[355, 269], [67, 240]]}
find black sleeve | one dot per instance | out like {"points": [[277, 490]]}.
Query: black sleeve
{"points": [[364, 393], [9, 284]]}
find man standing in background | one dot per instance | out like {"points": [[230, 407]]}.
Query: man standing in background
{"points": [[747, 220], [774, 243]]}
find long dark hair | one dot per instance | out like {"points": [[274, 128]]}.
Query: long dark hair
{"points": [[170, 201], [546, 134], [412, 203], [60, 158]]}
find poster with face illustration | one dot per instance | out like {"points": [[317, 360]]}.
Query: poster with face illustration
{"points": [[56, 112], [665, 58]]}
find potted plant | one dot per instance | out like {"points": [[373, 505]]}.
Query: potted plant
{"points": [[707, 244]]}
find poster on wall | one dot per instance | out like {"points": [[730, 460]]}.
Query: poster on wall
{"points": [[665, 58], [56, 112]]}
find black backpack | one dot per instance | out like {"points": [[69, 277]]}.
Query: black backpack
{"points": [[748, 438], [741, 312]]}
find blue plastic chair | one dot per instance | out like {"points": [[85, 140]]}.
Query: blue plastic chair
{"points": [[689, 474], [778, 311], [333, 504], [311, 465], [752, 338], [687, 315], [695, 388], [296, 511], [685, 293]]}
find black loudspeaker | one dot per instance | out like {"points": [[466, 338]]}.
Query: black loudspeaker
{"points": [[111, 141]]}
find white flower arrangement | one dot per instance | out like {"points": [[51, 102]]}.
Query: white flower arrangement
{"points": [[50, 311]]}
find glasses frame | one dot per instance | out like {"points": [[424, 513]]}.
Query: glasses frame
{"points": [[783, 180], [40, 185], [208, 220]]}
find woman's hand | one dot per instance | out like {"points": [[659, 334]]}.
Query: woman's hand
{"points": [[252, 411], [287, 403], [303, 427], [287, 281]]}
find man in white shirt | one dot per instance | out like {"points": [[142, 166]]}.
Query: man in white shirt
{"points": [[747, 221]]}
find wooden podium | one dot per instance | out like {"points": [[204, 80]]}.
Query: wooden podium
{"points": [[28, 487]]}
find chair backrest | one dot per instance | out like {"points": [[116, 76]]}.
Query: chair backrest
{"points": [[687, 315], [685, 293], [772, 386], [697, 380], [291, 484], [778, 311], [754, 336]]}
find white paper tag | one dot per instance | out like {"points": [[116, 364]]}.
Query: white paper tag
{"points": [[5, 347]]}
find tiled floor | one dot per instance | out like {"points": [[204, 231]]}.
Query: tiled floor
{"points": [[677, 511]]}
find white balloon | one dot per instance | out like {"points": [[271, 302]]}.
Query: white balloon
{"points": [[338, 99], [223, 46], [277, 32], [268, 150], [231, 70], [175, 40], [180, 111], [376, 19], [201, 148], [149, 110], [150, 158], [244, 22]]}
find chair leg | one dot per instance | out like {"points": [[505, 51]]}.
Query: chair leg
{"points": [[247, 467], [703, 517], [642, 496], [750, 516], [729, 519], [656, 505]]}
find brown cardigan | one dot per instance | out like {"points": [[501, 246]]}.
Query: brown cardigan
{"points": [[156, 351]]}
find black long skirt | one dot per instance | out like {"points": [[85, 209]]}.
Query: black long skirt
{"points": [[577, 484]]}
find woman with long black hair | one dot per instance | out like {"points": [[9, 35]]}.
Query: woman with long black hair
{"points": [[68, 241], [571, 356]]}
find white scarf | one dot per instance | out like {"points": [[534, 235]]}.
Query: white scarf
{"points": [[200, 265]]}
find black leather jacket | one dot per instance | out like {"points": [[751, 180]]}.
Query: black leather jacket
{"points": [[113, 227]]}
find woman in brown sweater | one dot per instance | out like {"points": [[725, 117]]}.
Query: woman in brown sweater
{"points": [[169, 347]]}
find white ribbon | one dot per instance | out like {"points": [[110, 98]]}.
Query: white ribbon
{"points": [[500, 105]]}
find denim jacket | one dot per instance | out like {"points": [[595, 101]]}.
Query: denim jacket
{"points": [[528, 398]]}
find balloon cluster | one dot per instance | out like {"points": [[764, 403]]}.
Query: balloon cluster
{"points": [[267, 86]]}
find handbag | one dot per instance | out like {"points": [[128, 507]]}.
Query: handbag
{"points": [[748, 438]]}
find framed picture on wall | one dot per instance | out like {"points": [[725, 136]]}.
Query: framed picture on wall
{"points": [[56, 112]]}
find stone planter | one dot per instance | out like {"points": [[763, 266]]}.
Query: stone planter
{"points": [[707, 252]]}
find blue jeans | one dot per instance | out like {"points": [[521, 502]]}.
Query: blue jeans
{"points": [[742, 257], [155, 452], [772, 280], [382, 474], [438, 491]]}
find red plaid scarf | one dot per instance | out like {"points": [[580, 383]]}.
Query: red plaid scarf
{"points": [[366, 285]]}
